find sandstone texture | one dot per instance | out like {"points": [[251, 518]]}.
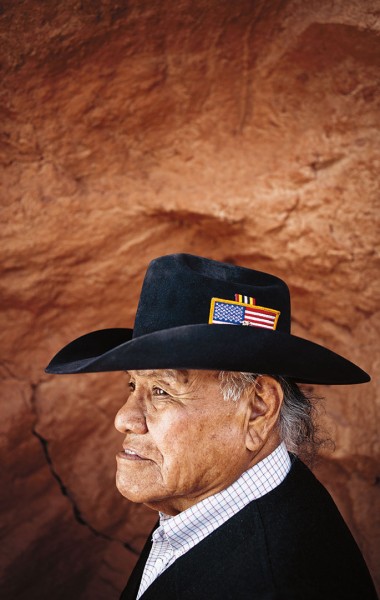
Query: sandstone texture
{"points": [[246, 131]]}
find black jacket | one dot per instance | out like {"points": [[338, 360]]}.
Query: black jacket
{"points": [[291, 544]]}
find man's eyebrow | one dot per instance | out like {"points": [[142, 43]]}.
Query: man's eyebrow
{"points": [[171, 374]]}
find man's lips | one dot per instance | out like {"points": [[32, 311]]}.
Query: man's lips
{"points": [[130, 454]]}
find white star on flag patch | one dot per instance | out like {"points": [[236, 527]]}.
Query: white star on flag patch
{"points": [[233, 312]]}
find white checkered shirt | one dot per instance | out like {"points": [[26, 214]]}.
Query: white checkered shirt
{"points": [[177, 535]]}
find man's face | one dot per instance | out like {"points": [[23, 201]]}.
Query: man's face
{"points": [[183, 441]]}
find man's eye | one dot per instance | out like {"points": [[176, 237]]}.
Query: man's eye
{"points": [[159, 392], [131, 386]]}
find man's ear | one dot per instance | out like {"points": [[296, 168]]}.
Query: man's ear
{"points": [[265, 401]]}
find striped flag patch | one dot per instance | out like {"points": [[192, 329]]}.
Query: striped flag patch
{"points": [[244, 299], [233, 312]]}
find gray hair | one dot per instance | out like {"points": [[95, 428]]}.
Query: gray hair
{"points": [[297, 421]]}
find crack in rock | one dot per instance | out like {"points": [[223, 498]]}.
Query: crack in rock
{"points": [[64, 489]]}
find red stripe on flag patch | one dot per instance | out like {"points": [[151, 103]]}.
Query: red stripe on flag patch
{"points": [[259, 319], [260, 312]]}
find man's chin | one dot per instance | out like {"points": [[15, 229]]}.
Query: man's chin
{"points": [[125, 490], [130, 491]]}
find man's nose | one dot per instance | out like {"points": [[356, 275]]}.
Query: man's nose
{"points": [[131, 416]]}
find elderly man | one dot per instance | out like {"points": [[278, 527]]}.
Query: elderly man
{"points": [[213, 423]]}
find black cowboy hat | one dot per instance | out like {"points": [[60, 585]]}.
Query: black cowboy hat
{"points": [[196, 313]]}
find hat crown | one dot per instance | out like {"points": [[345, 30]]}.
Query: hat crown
{"points": [[178, 289]]}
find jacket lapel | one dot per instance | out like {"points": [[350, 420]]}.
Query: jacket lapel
{"points": [[132, 587]]}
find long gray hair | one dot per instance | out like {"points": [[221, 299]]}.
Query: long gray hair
{"points": [[297, 425]]}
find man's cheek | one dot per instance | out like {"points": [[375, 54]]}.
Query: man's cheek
{"points": [[172, 472]]}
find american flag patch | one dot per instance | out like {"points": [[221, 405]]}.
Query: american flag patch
{"points": [[230, 312]]}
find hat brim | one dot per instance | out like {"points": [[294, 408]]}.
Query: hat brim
{"points": [[207, 347]]}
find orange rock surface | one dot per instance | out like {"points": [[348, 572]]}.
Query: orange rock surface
{"points": [[243, 131]]}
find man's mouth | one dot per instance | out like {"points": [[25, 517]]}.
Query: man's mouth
{"points": [[130, 454]]}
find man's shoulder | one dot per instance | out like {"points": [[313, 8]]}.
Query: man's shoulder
{"points": [[307, 542]]}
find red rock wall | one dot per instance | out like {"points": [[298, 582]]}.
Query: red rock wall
{"points": [[245, 131]]}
